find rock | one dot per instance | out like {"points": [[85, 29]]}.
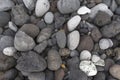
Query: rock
{"points": [[49, 17], [30, 29], [6, 5], [73, 40], [115, 71], [59, 74], [49, 75], [83, 10], [74, 53], [40, 47], [19, 16], [118, 2], [108, 3], [12, 26], [117, 53], [9, 32], [105, 43], [64, 52], [73, 22], [1, 30], [86, 43], [102, 18], [4, 18], [59, 21], [98, 1], [117, 11], [68, 6], [95, 58], [85, 55], [101, 62], [44, 34], [23, 42], [100, 76], [37, 76], [6, 41], [31, 62], [61, 38], [88, 67], [42, 6], [9, 51], [96, 34], [54, 60], [108, 63], [30, 4], [113, 5], [41, 24]]}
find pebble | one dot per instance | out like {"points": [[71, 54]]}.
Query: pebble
{"points": [[64, 52], [49, 17], [12, 26], [115, 71], [44, 34], [105, 43], [73, 40], [9, 51], [9, 32], [30, 29], [85, 55], [6, 5], [73, 22], [117, 53], [68, 6], [54, 60], [95, 58], [108, 3], [117, 11], [61, 38], [41, 24], [100, 76], [59, 21], [74, 53], [88, 67], [23, 42], [42, 6], [113, 5], [19, 15], [30, 4], [83, 10], [108, 63], [101, 62], [4, 18], [40, 47], [118, 2], [1, 30], [59, 74], [31, 62], [49, 75]]}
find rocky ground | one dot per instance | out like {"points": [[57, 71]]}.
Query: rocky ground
{"points": [[59, 39]]}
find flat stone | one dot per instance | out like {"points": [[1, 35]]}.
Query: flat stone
{"points": [[9, 51], [30, 4], [83, 10], [12, 26], [85, 55], [49, 17]]}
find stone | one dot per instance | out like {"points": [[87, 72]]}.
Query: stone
{"points": [[42, 6], [6, 41], [95, 58], [44, 34], [73, 22], [59, 74], [23, 42], [1, 30], [117, 53], [102, 18], [12, 26], [6, 5], [30, 4], [31, 62], [98, 1], [9, 51], [117, 11], [4, 18], [9, 32], [73, 40], [41, 24], [64, 52], [74, 53], [49, 75], [88, 67], [68, 6], [49, 17], [86, 43], [115, 71], [59, 21], [85, 55], [54, 60], [19, 15], [100, 62], [83, 10], [108, 3], [30, 29], [100, 76], [118, 2], [108, 63], [113, 5], [40, 47], [61, 38]]}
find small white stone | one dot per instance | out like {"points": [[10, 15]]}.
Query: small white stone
{"points": [[85, 55], [30, 4], [73, 40], [110, 42], [88, 67], [101, 62], [95, 58], [9, 51], [12, 26], [42, 6], [73, 22], [83, 10], [49, 17]]}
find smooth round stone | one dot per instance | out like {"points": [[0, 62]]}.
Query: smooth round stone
{"points": [[83, 10], [74, 53], [88, 67], [12, 26], [85, 55], [49, 17], [73, 40], [73, 22], [30, 4], [95, 58], [9, 51], [42, 6]]}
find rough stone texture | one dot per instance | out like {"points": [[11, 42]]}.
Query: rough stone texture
{"points": [[100, 76], [64, 52], [59, 74]]}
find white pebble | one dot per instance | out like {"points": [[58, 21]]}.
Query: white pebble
{"points": [[49, 17], [101, 62], [42, 6], [12, 26], [85, 55], [73, 40], [95, 58], [9, 51], [73, 22], [30, 4], [83, 10], [88, 67]]}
